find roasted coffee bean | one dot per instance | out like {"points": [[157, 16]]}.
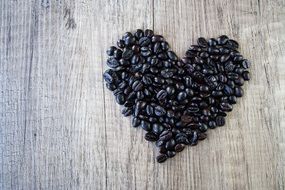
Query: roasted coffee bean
{"points": [[159, 111], [165, 136], [117, 54], [203, 127], [148, 33], [171, 154], [112, 62], [161, 158], [144, 41], [212, 124], [130, 40], [136, 122], [120, 44], [127, 111], [246, 75], [111, 50], [161, 95], [225, 58], [145, 125], [169, 145], [232, 44], [232, 99], [172, 55], [181, 96], [238, 92], [157, 38], [202, 42], [160, 143], [226, 106], [137, 85], [120, 98], [157, 128], [179, 147], [220, 121], [222, 40], [149, 136], [194, 138], [202, 136]]}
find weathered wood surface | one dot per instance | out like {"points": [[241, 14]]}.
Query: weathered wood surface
{"points": [[61, 129]]}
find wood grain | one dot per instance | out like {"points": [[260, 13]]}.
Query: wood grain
{"points": [[61, 129]]}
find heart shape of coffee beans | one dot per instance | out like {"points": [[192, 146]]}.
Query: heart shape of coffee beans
{"points": [[175, 100]]}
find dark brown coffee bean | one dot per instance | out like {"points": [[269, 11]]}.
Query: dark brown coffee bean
{"points": [[159, 111], [161, 95], [165, 136], [220, 121], [202, 42], [181, 96], [157, 128], [172, 55], [150, 136], [170, 144], [112, 62], [179, 147], [161, 158], [171, 154], [144, 41], [146, 125], [222, 40], [246, 75], [137, 86], [238, 92]]}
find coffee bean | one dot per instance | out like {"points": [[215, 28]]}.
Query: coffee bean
{"points": [[202, 42], [161, 158], [172, 55], [157, 128], [222, 40], [181, 96], [165, 136], [159, 111], [136, 122], [144, 41], [246, 75], [212, 124], [148, 33], [120, 98], [161, 95], [238, 92], [149, 136], [160, 143], [220, 121], [179, 147], [202, 136], [146, 125], [111, 50], [170, 144], [137, 85], [157, 38], [171, 154], [127, 111], [112, 62]]}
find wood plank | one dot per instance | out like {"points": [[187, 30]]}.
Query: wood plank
{"points": [[60, 128]]}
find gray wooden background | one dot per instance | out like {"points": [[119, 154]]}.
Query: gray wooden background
{"points": [[61, 129]]}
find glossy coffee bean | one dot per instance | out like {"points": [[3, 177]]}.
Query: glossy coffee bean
{"points": [[220, 121], [161, 158], [150, 136]]}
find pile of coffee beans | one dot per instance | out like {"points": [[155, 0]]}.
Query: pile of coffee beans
{"points": [[175, 100]]}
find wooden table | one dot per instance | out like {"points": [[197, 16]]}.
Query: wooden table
{"points": [[60, 128]]}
